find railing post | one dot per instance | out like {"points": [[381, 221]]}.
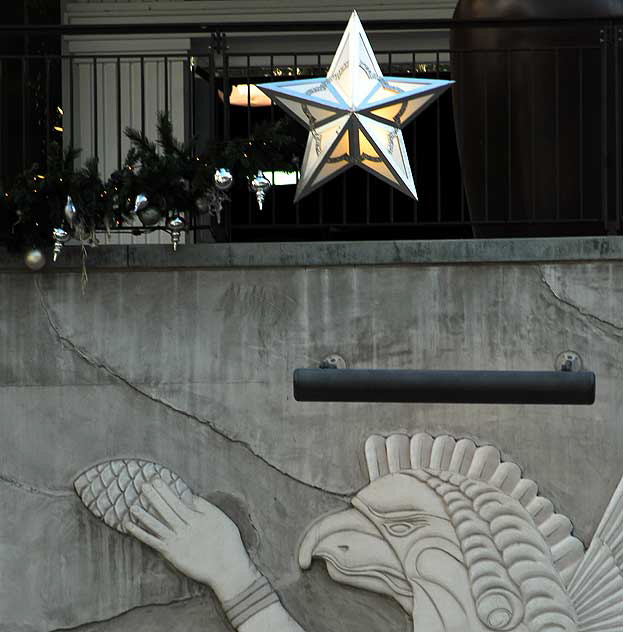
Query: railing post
{"points": [[618, 173], [611, 120]]}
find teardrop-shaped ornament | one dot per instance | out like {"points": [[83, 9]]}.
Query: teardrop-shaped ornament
{"points": [[260, 186]]}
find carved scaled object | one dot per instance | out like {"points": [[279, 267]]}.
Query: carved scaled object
{"points": [[464, 543], [110, 489]]}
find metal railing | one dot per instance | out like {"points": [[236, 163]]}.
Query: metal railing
{"points": [[527, 143]]}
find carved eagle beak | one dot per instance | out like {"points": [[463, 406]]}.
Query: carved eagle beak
{"points": [[356, 553]]}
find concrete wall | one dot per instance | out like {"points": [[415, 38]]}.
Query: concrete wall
{"points": [[192, 368]]}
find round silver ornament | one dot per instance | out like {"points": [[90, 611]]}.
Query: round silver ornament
{"points": [[223, 180], [175, 225], [70, 212], [61, 236], [149, 215], [34, 259], [260, 185]]}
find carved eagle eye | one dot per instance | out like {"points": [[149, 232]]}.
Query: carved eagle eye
{"points": [[402, 529]]}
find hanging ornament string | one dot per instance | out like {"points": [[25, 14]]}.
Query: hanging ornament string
{"points": [[39, 210]]}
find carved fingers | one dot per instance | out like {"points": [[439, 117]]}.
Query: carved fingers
{"points": [[170, 516], [144, 536], [172, 510], [153, 525]]}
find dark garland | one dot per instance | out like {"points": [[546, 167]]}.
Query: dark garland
{"points": [[172, 175]]}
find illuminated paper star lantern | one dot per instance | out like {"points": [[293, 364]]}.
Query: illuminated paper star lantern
{"points": [[355, 115]]}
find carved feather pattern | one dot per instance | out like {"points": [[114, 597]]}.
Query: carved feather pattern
{"points": [[386, 455], [109, 489], [597, 586]]}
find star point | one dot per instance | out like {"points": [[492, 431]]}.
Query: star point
{"points": [[355, 115]]}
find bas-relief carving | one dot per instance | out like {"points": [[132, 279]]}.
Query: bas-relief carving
{"points": [[459, 539]]}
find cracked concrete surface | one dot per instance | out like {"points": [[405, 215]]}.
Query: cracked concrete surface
{"points": [[63, 339], [557, 292], [193, 369], [5, 479], [140, 613]]}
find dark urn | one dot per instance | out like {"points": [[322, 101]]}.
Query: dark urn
{"points": [[535, 114]]}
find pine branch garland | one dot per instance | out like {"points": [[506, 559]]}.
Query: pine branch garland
{"points": [[170, 173]]}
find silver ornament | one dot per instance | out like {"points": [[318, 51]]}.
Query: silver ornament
{"points": [[260, 185], [34, 259], [70, 212], [175, 225], [223, 180], [61, 236], [140, 202], [149, 215]]}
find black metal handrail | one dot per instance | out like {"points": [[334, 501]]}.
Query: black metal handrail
{"points": [[356, 206], [290, 26]]}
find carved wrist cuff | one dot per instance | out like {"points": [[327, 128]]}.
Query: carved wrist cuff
{"points": [[256, 597]]}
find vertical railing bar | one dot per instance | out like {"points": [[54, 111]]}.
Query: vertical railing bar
{"points": [[462, 134], [48, 122], [226, 91], [248, 76], [367, 198], [248, 79], [272, 76], [25, 69], [142, 61], [344, 201], [273, 201], [166, 85], [95, 111], [533, 136], [413, 136], [212, 95], [390, 188], [604, 123], [438, 140], [509, 138], [321, 190], [119, 136], [193, 108], [486, 143], [72, 114], [557, 131], [26, 109], [416, 202], [297, 206], [581, 132], [192, 127], [618, 35]]}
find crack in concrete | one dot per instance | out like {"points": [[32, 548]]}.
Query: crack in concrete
{"points": [[115, 617], [618, 330], [32, 489], [69, 344]]}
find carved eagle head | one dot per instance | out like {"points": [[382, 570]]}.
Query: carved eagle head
{"points": [[448, 531]]}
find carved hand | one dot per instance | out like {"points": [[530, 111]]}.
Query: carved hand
{"points": [[203, 543]]}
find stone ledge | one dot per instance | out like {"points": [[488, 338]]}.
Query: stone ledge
{"points": [[335, 253]]}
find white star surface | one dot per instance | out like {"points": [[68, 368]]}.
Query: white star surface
{"points": [[355, 115]]}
